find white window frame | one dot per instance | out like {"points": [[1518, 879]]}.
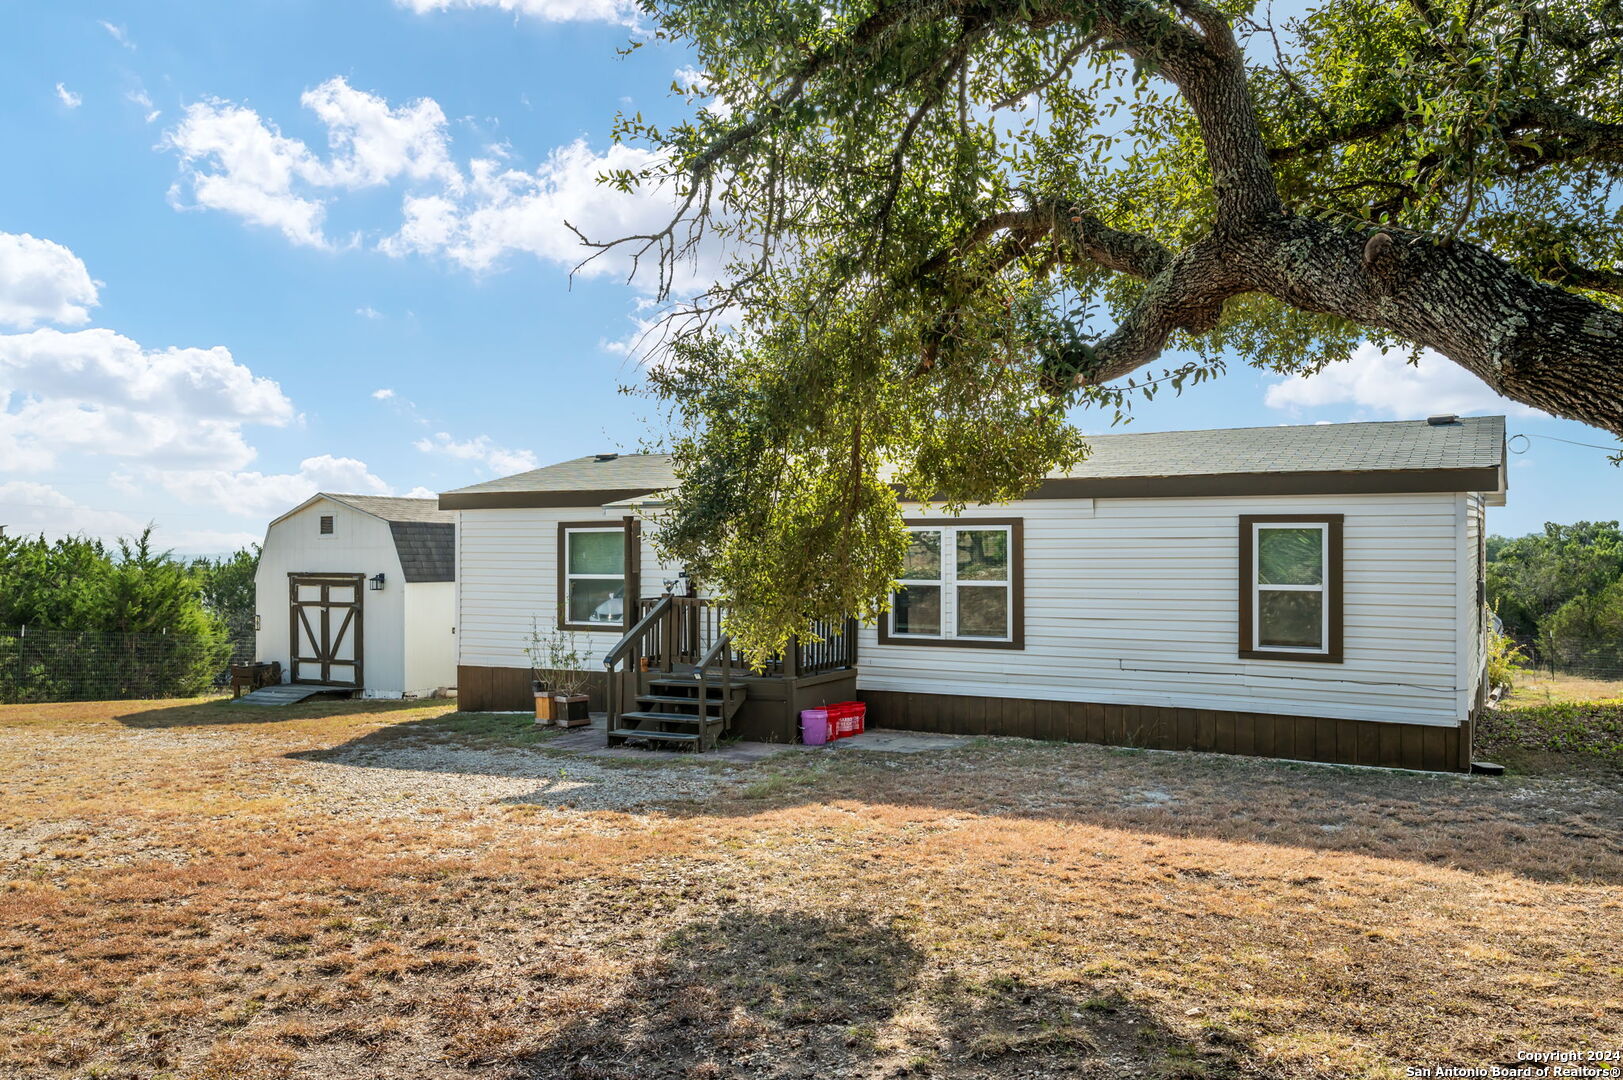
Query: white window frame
{"points": [[949, 584], [1322, 588], [570, 578]]}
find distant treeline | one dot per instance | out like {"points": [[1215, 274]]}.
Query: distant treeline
{"points": [[1560, 593], [80, 619]]}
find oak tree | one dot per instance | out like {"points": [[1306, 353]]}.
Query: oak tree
{"points": [[948, 222]]}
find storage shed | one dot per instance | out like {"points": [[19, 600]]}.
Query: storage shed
{"points": [[359, 592]]}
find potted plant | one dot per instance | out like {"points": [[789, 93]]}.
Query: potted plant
{"points": [[559, 681]]}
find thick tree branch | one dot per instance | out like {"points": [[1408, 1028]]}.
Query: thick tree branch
{"points": [[1563, 135], [1079, 234], [1347, 132], [1187, 295], [1592, 278], [1530, 341]]}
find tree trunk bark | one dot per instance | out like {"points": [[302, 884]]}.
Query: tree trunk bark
{"points": [[1529, 341]]}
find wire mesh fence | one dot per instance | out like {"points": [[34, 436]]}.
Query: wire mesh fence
{"points": [[41, 664], [1600, 660]]}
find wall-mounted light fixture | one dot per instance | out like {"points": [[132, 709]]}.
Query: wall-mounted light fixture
{"points": [[256, 622], [377, 582]]}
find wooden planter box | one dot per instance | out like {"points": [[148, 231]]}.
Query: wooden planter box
{"points": [[568, 711], [571, 712]]}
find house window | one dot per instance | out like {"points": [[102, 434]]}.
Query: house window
{"points": [[326, 524], [1290, 595], [960, 585], [591, 576]]}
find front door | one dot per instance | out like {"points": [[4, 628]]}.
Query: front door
{"points": [[325, 621]]}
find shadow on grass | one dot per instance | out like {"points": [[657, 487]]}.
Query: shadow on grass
{"points": [[224, 712], [801, 995], [1566, 830]]}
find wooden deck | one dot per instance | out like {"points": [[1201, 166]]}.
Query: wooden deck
{"points": [[675, 680]]}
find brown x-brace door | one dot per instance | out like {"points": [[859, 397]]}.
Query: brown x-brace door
{"points": [[325, 628]]}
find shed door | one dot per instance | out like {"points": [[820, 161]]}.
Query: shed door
{"points": [[326, 629]]}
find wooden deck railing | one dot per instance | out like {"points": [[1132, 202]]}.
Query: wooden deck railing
{"points": [[694, 625]]}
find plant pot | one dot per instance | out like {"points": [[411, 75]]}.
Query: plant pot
{"points": [[543, 704], [571, 711]]}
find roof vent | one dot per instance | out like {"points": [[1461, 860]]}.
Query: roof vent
{"points": [[1442, 418], [604, 457]]}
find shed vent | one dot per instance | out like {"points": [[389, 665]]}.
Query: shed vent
{"points": [[606, 457], [1442, 419], [326, 524]]}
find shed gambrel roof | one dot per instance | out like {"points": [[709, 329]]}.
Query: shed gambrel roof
{"points": [[1395, 456], [397, 508], [424, 535]]}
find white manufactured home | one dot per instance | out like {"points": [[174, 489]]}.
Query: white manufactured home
{"points": [[1307, 592], [358, 592]]}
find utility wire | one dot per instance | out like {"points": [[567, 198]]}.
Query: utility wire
{"points": [[1524, 447]]}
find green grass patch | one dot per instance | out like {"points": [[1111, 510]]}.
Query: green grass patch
{"points": [[1590, 732]]}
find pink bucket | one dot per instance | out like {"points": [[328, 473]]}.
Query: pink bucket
{"points": [[814, 726]]}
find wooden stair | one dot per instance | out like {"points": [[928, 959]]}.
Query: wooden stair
{"points": [[672, 713]]}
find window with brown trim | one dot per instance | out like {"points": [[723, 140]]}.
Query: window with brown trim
{"points": [[591, 575], [1290, 587], [961, 584]]}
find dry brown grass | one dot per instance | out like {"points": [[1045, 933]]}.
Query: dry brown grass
{"points": [[171, 908], [1542, 688]]}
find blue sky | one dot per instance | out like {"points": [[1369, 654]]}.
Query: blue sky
{"points": [[250, 251]]}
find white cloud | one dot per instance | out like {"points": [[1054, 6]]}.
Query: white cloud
{"points": [[508, 210], [384, 394], [622, 12], [372, 143], [68, 97], [30, 508], [42, 281], [237, 163], [234, 160], [482, 450], [431, 224], [369, 312], [1386, 385], [119, 34], [141, 98], [694, 86], [270, 494], [420, 492], [97, 392]]}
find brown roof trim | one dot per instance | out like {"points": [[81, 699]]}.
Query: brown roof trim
{"points": [[1210, 485], [523, 500], [1370, 482]]}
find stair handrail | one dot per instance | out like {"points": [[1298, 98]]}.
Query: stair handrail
{"points": [[630, 641], [722, 649]]}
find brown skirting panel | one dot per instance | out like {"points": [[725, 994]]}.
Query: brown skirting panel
{"points": [[1303, 738], [507, 689]]}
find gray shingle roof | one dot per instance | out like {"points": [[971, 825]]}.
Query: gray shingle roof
{"points": [[1472, 443], [397, 508], [595, 472], [424, 535], [427, 549]]}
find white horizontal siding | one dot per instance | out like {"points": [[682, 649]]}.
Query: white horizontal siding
{"points": [[507, 575], [1130, 601], [1136, 603]]}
